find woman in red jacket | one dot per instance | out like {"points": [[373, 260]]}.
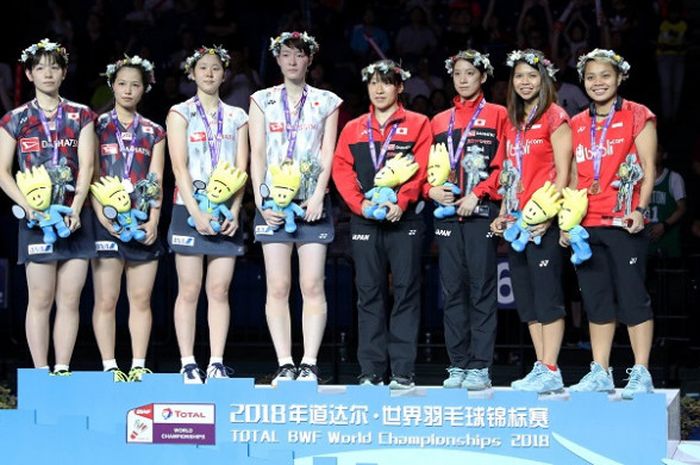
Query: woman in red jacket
{"points": [[365, 144], [614, 144], [472, 131], [538, 149]]}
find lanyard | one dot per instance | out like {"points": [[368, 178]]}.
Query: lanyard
{"points": [[52, 135], [379, 161], [292, 131], [598, 148], [519, 150], [454, 155], [127, 154], [214, 144]]}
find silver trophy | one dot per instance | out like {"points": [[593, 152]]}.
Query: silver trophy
{"points": [[629, 174]]}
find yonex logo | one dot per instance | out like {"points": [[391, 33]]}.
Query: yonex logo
{"points": [[412, 232], [544, 263], [323, 236], [106, 246], [187, 241], [443, 232], [35, 249], [633, 260], [489, 234], [360, 237]]}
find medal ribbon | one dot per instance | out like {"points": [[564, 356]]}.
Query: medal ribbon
{"points": [[126, 153], [599, 148], [214, 144], [455, 154], [519, 150], [292, 131], [52, 136], [378, 162]]}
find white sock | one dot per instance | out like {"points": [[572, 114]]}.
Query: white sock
{"points": [[188, 360], [308, 361], [59, 367], [109, 365], [138, 362], [286, 361], [213, 360], [43, 368]]}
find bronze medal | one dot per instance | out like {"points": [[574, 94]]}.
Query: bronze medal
{"points": [[594, 189]]}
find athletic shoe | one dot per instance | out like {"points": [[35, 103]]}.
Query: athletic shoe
{"points": [[456, 377], [639, 382], [61, 373], [541, 380], [118, 376], [191, 374], [286, 372], [219, 370], [401, 382], [596, 380], [136, 374], [370, 380], [307, 372], [477, 379]]}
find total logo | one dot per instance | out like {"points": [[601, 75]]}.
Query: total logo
{"points": [[166, 413]]}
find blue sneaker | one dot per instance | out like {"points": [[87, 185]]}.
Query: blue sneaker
{"points": [[541, 380], [477, 379], [639, 382], [456, 377], [596, 380]]}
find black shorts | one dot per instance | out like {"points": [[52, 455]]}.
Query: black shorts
{"points": [[185, 240], [536, 276], [80, 244], [108, 246], [612, 280], [319, 232]]}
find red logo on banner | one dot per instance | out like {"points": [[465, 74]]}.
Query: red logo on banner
{"points": [[276, 127], [29, 144], [109, 149], [199, 136]]}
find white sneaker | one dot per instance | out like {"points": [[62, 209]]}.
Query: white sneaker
{"points": [[191, 374], [307, 373]]}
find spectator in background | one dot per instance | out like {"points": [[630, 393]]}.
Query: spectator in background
{"points": [[241, 83], [220, 27], [364, 34], [670, 57], [439, 101], [570, 97], [530, 31], [423, 82], [666, 210], [416, 39]]}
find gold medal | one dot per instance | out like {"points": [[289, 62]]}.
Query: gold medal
{"points": [[594, 189]]}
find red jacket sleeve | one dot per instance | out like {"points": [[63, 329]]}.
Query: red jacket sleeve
{"points": [[344, 175], [489, 186], [413, 188]]}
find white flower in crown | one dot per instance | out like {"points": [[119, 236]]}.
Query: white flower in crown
{"points": [[479, 60], [532, 58], [137, 61], [43, 45], [616, 60], [276, 42], [201, 51], [383, 67]]}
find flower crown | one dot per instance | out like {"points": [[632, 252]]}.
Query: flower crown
{"points": [[616, 60], [384, 67], [44, 45], [479, 60], [277, 42], [201, 51], [532, 58], [135, 61]]}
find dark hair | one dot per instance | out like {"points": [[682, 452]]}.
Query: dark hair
{"points": [[299, 44], [546, 96], [392, 75], [142, 72], [53, 56]]}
